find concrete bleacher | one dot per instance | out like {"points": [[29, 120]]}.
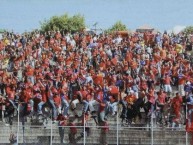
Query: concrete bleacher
{"points": [[136, 134], [126, 137], [38, 135]]}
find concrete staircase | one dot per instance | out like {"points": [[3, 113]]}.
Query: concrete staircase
{"points": [[38, 135], [136, 135]]}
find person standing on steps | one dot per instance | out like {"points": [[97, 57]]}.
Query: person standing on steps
{"points": [[104, 131], [176, 106], [62, 122], [72, 132]]}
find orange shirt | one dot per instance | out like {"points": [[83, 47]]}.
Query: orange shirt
{"points": [[98, 80], [174, 71], [114, 90], [30, 71], [84, 94], [163, 54], [181, 81], [156, 57], [43, 93], [133, 65], [131, 99], [1, 45], [114, 61], [129, 56], [27, 95], [102, 65], [11, 94]]}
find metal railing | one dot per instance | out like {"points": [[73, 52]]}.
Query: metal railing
{"points": [[117, 134]]}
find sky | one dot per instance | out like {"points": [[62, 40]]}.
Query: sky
{"points": [[26, 15]]}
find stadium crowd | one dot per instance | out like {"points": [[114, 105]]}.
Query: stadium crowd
{"points": [[141, 70]]}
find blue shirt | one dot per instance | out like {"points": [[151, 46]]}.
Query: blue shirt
{"points": [[158, 38], [190, 100]]}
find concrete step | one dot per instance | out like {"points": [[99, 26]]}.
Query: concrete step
{"points": [[125, 136], [96, 140], [93, 129]]}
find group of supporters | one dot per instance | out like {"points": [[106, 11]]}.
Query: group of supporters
{"points": [[141, 70]]}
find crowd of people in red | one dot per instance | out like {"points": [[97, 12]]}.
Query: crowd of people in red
{"points": [[141, 70]]}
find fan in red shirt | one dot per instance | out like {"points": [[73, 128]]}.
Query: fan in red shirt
{"points": [[176, 106], [149, 106], [167, 83], [81, 97], [160, 102]]}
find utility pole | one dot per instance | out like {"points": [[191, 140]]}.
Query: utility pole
{"points": [[94, 25]]}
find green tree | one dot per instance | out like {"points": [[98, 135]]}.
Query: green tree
{"points": [[64, 22], [188, 30], [118, 26]]}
